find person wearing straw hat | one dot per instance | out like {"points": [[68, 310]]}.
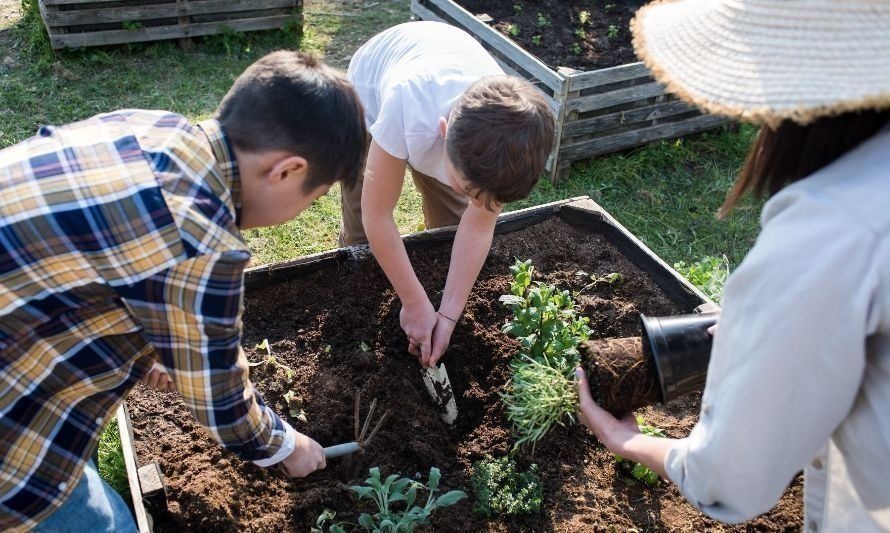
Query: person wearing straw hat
{"points": [[799, 377]]}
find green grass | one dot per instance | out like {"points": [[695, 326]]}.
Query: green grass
{"points": [[665, 193], [111, 461]]}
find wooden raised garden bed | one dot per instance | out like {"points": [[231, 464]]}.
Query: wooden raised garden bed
{"points": [[598, 111], [333, 319], [79, 23]]}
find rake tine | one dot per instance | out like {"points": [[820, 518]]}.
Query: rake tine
{"points": [[376, 428], [368, 420], [358, 399]]}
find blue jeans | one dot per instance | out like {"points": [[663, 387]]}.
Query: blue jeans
{"points": [[93, 506]]}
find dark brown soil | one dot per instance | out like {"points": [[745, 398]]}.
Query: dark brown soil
{"points": [[556, 32], [317, 326], [622, 377]]}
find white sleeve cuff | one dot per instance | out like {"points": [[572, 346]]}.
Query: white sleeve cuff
{"points": [[287, 447]]}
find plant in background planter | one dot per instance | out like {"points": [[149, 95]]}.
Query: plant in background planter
{"points": [[502, 489], [386, 493]]}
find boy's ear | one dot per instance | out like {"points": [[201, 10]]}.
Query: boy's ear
{"points": [[283, 168], [443, 126]]}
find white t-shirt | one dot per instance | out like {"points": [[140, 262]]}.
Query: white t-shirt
{"points": [[800, 369], [409, 76]]}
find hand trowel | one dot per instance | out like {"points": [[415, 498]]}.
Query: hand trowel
{"points": [[436, 379]]}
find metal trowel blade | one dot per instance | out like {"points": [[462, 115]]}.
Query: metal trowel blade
{"points": [[439, 387]]}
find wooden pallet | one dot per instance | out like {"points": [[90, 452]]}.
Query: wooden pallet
{"points": [[77, 23], [597, 112]]}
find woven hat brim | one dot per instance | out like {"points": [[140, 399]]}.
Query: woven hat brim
{"points": [[765, 61]]}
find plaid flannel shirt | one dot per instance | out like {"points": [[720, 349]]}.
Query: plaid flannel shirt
{"points": [[118, 248]]}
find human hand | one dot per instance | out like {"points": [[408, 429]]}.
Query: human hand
{"points": [[612, 432], [158, 378], [418, 322], [441, 338], [307, 457]]}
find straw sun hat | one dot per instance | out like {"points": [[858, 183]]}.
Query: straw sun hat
{"points": [[768, 60]]}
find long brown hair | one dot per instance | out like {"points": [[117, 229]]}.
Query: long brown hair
{"points": [[792, 152]]}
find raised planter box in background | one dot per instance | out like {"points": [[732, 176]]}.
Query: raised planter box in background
{"points": [[76, 23], [599, 111]]}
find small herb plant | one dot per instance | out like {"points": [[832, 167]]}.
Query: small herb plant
{"points": [[536, 40], [639, 471], [513, 30], [580, 33], [612, 278], [547, 325], [576, 49], [543, 20], [584, 17], [709, 275], [501, 489], [517, 8], [387, 492], [272, 360], [612, 32], [609, 8]]}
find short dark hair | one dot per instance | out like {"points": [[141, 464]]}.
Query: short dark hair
{"points": [[792, 151], [499, 136], [291, 101]]}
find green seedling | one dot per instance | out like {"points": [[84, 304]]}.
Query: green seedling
{"points": [[609, 8], [501, 489], [543, 20], [363, 346], [612, 32], [295, 406], [612, 278], [539, 397], [536, 40], [272, 360], [130, 25], [513, 30], [517, 8], [576, 49], [639, 471], [388, 494], [583, 17], [709, 275], [580, 33]]}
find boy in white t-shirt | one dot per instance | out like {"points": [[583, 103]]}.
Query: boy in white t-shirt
{"points": [[474, 139]]}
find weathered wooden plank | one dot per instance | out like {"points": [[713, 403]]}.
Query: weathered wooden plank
{"points": [[465, 20], [585, 104], [143, 520], [148, 12], [586, 80], [638, 115], [77, 40], [611, 143]]}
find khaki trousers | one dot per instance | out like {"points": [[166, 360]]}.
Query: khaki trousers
{"points": [[442, 206]]}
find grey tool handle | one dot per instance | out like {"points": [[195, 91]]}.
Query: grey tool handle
{"points": [[340, 450]]}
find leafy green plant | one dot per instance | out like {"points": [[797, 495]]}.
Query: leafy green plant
{"points": [[513, 30], [640, 471], [612, 278], [612, 32], [576, 49], [387, 492], [545, 319], [543, 20], [540, 396], [130, 25], [501, 489], [536, 40], [364, 346], [272, 360], [709, 275], [517, 8], [609, 8], [580, 33]]}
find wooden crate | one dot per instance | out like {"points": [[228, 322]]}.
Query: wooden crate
{"points": [[78, 23], [598, 111]]}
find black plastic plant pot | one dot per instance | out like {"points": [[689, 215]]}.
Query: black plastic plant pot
{"points": [[681, 348]]}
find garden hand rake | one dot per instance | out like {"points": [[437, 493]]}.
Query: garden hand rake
{"points": [[362, 438]]}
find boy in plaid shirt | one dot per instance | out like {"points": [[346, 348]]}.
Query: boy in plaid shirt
{"points": [[120, 247]]}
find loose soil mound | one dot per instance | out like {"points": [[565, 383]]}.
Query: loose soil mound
{"points": [[317, 326], [561, 36]]}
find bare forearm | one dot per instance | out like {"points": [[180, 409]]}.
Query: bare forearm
{"points": [[471, 245], [643, 449], [389, 250]]}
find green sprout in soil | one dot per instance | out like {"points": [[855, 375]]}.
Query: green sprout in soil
{"points": [[501, 489], [295, 406], [709, 275], [580, 33], [517, 8], [272, 360], [387, 494], [640, 472], [583, 17], [576, 49], [364, 346], [609, 8], [536, 40], [513, 30], [612, 278], [612, 32], [543, 20]]}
